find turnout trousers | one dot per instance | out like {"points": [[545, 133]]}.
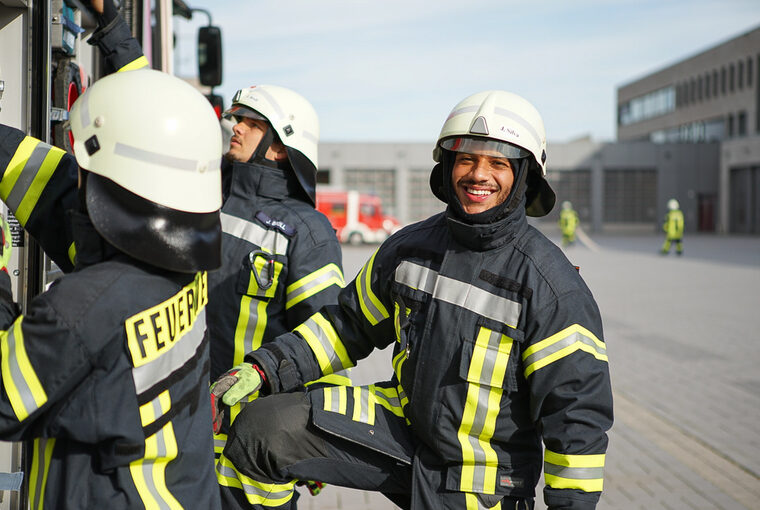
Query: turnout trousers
{"points": [[280, 439]]}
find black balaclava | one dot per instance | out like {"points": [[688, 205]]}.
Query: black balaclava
{"points": [[514, 199]]}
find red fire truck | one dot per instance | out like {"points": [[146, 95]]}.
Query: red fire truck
{"points": [[356, 217]]}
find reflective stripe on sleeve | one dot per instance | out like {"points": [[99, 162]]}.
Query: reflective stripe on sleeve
{"points": [[21, 383], [371, 306], [488, 365], [42, 454], [569, 340], [26, 176], [389, 399], [335, 399], [257, 493], [149, 472], [584, 472], [313, 283], [271, 241], [458, 293], [138, 63], [329, 350]]}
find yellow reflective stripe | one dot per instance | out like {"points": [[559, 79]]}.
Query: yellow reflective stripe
{"points": [[16, 165], [72, 253], [149, 472], [219, 441], [259, 268], [488, 364], [389, 399], [569, 340], [328, 348], [138, 63], [21, 384], [335, 399], [257, 493], [340, 379], [31, 176], [364, 405], [371, 307], [42, 453], [313, 283], [584, 472]]}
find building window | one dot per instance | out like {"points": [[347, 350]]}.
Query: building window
{"points": [[323, 176], [740, 75], [707, 86], [630, 195], [700, 87], [730, 125], [731, 77], [741, 124], [650, 105], [378, 182], [715, 83], [723, 81], [749, 72]]}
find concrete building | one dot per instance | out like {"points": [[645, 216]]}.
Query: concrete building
{"points": [[713, 96], [690, 131]]}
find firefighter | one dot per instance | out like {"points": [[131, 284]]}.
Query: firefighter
{"points": [[105, 373], [568, 222], [498, 347], [673, 227]]}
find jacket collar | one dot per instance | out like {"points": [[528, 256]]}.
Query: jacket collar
{"points": [[247, 180], [490, 235]]}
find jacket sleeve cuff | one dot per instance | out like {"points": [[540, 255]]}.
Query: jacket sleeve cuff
{"points": [[116, 43]]}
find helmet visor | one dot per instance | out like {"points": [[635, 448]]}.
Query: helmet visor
{"points": [[236, 112], [483, 146]]}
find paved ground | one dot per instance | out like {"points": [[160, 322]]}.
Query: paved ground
{"points": [[683, 337]]}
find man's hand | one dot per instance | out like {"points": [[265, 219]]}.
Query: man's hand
{"points": [[232, 387]]}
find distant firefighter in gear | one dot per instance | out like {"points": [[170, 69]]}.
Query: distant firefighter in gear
{"points": [[673, 227], [568, 222], [498, 348], [105, 374]]}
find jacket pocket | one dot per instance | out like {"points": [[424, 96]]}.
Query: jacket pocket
{"points": [[488, 359], [259, 274]]}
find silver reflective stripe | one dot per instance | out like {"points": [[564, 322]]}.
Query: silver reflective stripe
{"points": [[478, 429], [85, 109], [465, 109], [392, 401], [251, 325], [363, 404], [523, 123], [148, 465], [334, 399], [561, 344], [156, 158], [574, 473], [324, 341], [24, 391], [415, 276], [272, 101], [252, 490], [459, 293], [270, 240], [151, 373], [27, 176]]}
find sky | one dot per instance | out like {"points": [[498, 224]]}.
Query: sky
{"points": [[392, 70]]}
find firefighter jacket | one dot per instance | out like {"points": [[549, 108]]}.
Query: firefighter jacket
{"points": [[568, 222], [105, 376], [281, 262], [673, 225], [498, 346]]}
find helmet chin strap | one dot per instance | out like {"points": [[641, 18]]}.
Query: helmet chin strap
{"points": [[259, 155]]}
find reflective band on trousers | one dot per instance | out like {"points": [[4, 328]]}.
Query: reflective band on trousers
{"points": [[269, 240], [458, 293]]}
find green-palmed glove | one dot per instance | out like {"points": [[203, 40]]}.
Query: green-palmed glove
{"points": [[5, 248], [232, 387]]}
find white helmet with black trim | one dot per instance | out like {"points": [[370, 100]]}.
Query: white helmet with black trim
{"points": [[151, 146], [501, 122], [294, 121]]}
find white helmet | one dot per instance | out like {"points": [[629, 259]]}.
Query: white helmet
{"points": [[152, 146], [673, 204], [516, 127], [294, 120], [567, 205]]}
